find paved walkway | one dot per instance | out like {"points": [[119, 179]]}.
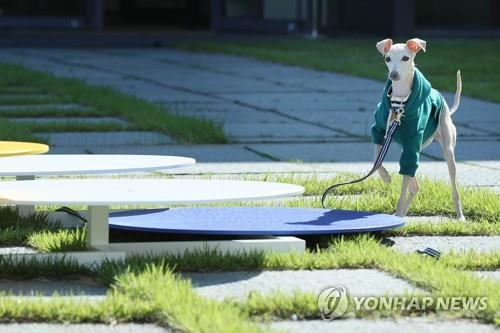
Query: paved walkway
{"points": [[270, 112]]}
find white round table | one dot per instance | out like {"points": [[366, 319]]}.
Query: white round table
{"points": [[28, 167], [43, 165], [99, 194]]}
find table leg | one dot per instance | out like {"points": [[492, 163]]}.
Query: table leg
{"points": [[25, 210], [98, 226]]}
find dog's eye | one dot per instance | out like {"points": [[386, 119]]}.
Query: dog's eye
{"points": [[388, 59], [405, 58]]}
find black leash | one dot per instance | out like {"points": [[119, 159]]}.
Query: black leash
{"points": [[378, 161]]}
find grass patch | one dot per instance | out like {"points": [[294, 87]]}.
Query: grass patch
{"points": [[6, 89], [64, 240], [10, 131], [77, 126], [33, 112], [48, 268], [143, 115], [20, 100], [15, 230], [450, 228], [479, 205], [477, 59], [153, 294]]}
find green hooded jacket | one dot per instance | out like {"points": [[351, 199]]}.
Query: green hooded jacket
{"points": [[418, 124]]}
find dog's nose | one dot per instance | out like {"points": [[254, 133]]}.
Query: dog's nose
{"points": [[394, 76]]}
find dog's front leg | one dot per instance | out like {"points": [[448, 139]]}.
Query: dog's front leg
{"points": [[381, 170], [400, 210], [413, 189]]}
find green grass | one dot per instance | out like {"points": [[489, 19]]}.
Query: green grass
{"points": [[152, 294], [10, 131], [434, 198], [58, 240], [19, 100], [14, 230], [449, 228], [105, 101], [77, 126], [477, 59], [33, 112]]}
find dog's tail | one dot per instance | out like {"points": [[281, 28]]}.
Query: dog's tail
{"points": [[456, 102]]}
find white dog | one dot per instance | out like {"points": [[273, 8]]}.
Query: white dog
{"points": [[426, 117]]}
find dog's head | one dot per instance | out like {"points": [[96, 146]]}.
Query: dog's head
{"points": [[399, 58]]}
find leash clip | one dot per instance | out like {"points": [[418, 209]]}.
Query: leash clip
{"points": [[397, 114]]}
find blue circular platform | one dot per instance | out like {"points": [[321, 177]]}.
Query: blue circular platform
{"points": [[252, 221]]}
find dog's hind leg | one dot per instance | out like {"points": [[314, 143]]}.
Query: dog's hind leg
{"points": [[447, 139]]}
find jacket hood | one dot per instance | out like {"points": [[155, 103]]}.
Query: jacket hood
{"points": [[420, 90]]}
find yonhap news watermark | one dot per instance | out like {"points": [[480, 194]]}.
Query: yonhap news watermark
{"points": [[334, 302]]}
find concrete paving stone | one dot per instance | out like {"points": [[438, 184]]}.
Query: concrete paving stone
{"points": [[336, 83], [42, 287], [467, 175], [202, 153], [186, 78], [86, 120], [249, 167], [326, 152], [470, 150], [300, 102], [489, 127], [494, 275], [271, 72], [250, 140], [359, 282], [214, 83], [80, 328], [96, 139], [408, 325], [447, 243], [427, 219], [472, 109], [7, 250], [243, 117], [214, 107], [349, 115], [466, 131], [485, 164], [281, 132], [156, 93], [494, 188]]}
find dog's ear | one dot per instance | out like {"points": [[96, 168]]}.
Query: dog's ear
{"points": [[384, 45], [416, 44]]}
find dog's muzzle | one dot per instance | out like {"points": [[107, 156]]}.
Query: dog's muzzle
{"points": [[394, 76]]}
